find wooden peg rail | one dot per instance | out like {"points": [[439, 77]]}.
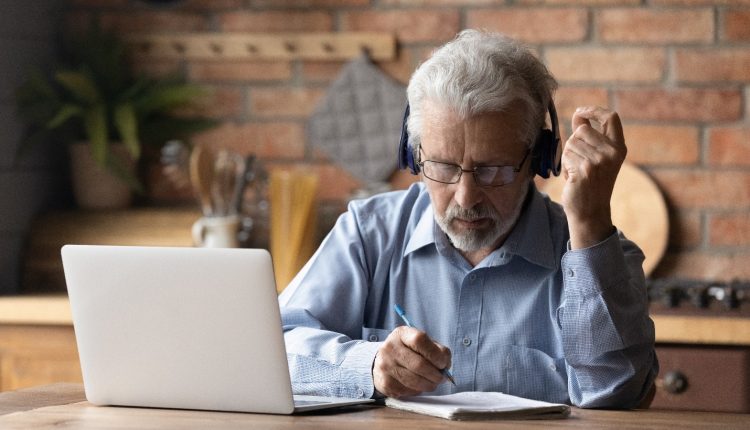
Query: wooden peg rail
{"points": [[264, 46]]}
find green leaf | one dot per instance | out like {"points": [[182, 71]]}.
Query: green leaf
{"points": [[138, 87], [95, 123], [127, 127], [80, 85], [66, 112], [163, 97]]}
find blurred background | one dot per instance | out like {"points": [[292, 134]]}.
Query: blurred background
{"points": [[677, 71]]}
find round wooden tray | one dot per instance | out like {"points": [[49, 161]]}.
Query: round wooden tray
{"points": [[638, 210]]}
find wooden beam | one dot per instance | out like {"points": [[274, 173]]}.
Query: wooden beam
{"points": [[264, 46]]}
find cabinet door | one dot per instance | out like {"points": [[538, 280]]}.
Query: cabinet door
{"points": [[707, 378], [37, 355]]}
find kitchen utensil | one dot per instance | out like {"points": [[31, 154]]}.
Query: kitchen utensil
{"points": [[216, 231], [293, 222], [202, 163], [175, 160], [247, 176]]}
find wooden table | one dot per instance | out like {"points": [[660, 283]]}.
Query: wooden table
{"points": [[63, 406]]}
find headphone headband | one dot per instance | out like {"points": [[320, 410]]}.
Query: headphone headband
{"points": [[546, 156]]}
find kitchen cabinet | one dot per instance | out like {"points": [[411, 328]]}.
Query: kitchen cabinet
{"points": [[37, 346], [37, 342], [42, 267]]}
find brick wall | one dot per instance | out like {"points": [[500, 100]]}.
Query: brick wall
{"points": [[678, 72]]}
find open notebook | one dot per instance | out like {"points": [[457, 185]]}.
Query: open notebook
{"points": [[186, 328], [480, 406]]}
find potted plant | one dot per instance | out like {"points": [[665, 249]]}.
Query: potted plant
{"points": [[107, 113]]}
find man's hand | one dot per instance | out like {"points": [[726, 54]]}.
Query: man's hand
{"points": [[408, 363], [590, 162]]}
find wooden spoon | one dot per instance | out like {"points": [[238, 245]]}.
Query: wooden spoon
{"points": [[201, 175]]}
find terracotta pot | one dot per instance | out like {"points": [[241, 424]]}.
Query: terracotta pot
{"points": [[95, 187]]}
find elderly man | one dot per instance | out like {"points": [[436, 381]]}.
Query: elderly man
{"points": [[505, 288]]}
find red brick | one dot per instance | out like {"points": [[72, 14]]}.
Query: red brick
{"points": [[655, 26], [296, 102], [155, 69], [705, 265], [221, 102], [685, 229], [402, 179], [581, 2], [336, 183], [212, 4], [715, 64], [307, 3], [736, 25], [729, 146], [402, 67], [412, 3], [533, 25], [272, 140], [409, 25], [320, 71], [686, 104], [715, 189], [399, 69], [698, 2], [606, 64], [279, 21], [662, 144], [239, 71], [143, 22], [729, 229], [567, 99]]}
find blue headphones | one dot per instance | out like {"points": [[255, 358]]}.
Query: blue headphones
{"points": [[545, 159]]}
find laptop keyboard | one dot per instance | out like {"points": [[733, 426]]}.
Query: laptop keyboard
{"points": [[310, 402]]}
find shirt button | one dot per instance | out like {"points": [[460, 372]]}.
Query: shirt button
{"points": [[571, 273], [472, 277], [360, 392], [553, 367], [466, 341], [373, 338]]}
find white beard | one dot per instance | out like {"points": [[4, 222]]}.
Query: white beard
{"points": [[473, 240]]}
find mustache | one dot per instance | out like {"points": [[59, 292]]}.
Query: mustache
{"points": [[472, 214]]}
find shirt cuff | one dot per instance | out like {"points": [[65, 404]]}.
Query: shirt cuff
{"points": [[595, 269], [359, 359]]}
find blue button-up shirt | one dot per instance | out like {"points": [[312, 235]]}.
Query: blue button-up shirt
{"points": [[533, 319]]}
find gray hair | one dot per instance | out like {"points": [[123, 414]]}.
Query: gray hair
{"points": [[480, 72]]}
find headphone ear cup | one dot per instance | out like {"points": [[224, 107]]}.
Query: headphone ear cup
{"points": [[405, 153], [545, 154]]}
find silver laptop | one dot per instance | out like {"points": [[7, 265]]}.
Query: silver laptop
{"points": [[185, 328]]}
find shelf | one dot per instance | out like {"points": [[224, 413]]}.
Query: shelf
{"points": [[264, 46], [702, 330], [43, 272]]}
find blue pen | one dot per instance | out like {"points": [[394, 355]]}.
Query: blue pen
{"points": [[402, 314]]}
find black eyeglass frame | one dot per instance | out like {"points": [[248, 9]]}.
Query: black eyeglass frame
{"points": [[473, 171]]}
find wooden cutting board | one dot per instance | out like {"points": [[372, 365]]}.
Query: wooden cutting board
{"points": [[638, 210]]}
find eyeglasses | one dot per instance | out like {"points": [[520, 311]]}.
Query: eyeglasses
{"points": [[485, 176]]}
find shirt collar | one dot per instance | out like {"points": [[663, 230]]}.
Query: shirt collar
{"points": [[530, 239], [423, 233]]}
